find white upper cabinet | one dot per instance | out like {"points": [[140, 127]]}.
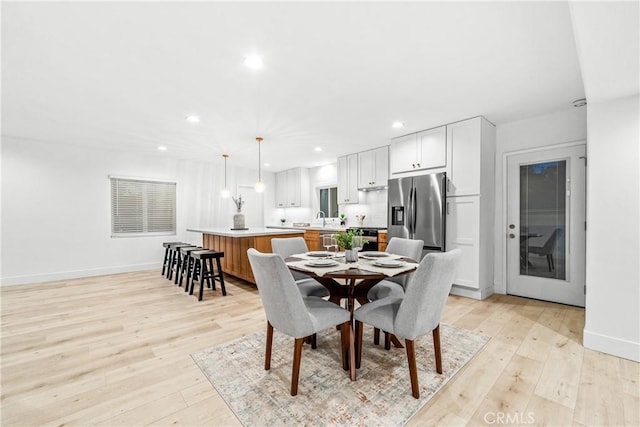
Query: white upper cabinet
{"points": [[292, 188], [419, 151], [472, 146], [281, 189], [373, 168], [348, 179]]}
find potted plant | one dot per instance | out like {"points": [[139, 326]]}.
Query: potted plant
{"points": [[351, 241], [343, 219]]}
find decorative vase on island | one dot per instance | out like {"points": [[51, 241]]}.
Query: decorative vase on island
{"points": [[238, 218], [238, 221], [351, 255]]}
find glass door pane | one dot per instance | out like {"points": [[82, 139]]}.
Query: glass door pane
{"points": [[543, 219]]}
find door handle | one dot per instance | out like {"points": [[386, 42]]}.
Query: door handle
{"points": [[414, 215], [410, 212]]}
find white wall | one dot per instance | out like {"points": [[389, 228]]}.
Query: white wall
{"points": [[613, 250], [56, 209], [547, 130]]}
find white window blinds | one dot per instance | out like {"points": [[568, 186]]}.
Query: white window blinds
{"points": [[141, 207]]}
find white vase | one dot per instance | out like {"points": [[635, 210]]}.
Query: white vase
{"points": [[238, 221], [351, 255]]}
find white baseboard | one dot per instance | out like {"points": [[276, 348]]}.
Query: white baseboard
{"points": [[76, 274], [611, 345], [478, 294]]}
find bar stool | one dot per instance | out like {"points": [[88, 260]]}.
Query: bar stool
{"points": [[180, 261], [167, 252], [174, 256], [187, 264], [204, 270]]}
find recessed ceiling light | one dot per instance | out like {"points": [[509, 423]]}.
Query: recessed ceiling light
{"points": [[317, 149], [397, 125], [162, 148], [253, 61], [266, 165], [193, 119]]}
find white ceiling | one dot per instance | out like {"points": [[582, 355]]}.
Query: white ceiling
{"points": [[336, 75]]}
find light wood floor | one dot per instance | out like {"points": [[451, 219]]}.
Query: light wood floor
{"points": [[115, 350]]}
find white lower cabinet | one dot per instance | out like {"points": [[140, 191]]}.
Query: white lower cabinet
{"points": [[470, 229], [463, 232]]}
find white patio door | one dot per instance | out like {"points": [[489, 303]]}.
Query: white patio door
{"points": [[546, 225]]}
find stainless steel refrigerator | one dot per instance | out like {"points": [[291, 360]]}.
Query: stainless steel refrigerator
{"points": [[417, 210]]}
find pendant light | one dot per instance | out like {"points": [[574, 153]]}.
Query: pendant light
{"points": [[259, 187], [225, 193]]}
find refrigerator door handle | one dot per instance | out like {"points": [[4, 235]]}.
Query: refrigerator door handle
{"points": [[410, 214], [414, 214]]}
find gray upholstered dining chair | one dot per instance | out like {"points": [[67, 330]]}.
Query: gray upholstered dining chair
{"points": [[418, 313], [288, 246], [394, 286], [290, 313], [408, 248]]}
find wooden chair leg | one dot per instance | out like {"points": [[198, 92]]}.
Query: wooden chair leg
{"points": [[295, 374], [358, 344], [376, 336], [436, 349], [413, 369], [267, 353], [352, 353], [344, 345], [387, 341]]}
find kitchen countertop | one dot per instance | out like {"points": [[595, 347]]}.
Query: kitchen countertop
{"points": [[311, 227], [251, 232], [284, 227]]}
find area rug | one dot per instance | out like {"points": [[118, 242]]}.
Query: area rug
{"points": [[381, 396]]}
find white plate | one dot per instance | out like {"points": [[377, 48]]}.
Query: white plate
{"points": [[319, 254], [389, 263], [321, 263], [374, 254]]}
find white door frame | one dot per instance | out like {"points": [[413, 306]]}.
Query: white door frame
{"points": [[504, 219]]}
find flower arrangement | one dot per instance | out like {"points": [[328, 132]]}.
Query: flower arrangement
{"points": [[239, 203], [349, 239], [360, 219]]}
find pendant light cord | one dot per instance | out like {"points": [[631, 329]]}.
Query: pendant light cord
{"points": [[259, 139]]}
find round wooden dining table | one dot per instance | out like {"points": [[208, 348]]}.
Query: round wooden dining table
{"points": [[357, 283]]}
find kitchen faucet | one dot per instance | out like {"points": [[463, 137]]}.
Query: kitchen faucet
{"points": [[324, 218]]}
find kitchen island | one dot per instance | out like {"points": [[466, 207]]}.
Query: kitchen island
{"points": [[234, 244]]}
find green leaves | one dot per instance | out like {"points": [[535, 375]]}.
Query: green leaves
{"points": [[345, 238]]}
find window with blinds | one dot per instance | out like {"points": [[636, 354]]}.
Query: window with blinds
{"points": [[141, 207]]}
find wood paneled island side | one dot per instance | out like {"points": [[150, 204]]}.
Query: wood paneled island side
{"points": [[234, 244]]}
